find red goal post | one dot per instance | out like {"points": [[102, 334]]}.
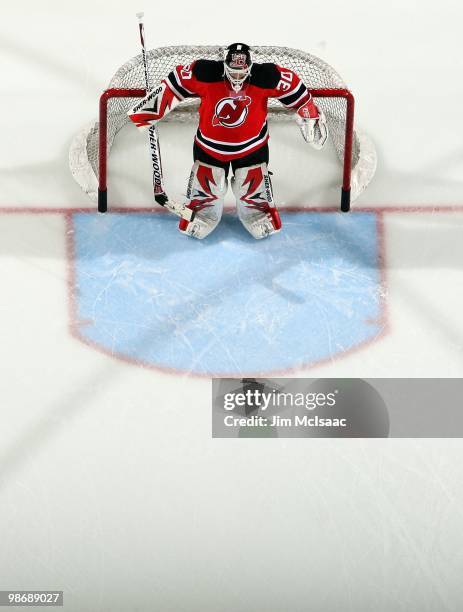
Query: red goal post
{"points": [[140, 93]]}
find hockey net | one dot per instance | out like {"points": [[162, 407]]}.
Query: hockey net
{"points": [[90, 148]]}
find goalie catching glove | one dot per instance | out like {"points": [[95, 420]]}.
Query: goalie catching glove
{"points": [[312, 123]]}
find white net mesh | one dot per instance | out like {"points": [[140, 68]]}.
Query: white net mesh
{"points": [[314, 72]]}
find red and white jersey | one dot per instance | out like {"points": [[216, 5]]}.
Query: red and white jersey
{"points": [[231, 124]]}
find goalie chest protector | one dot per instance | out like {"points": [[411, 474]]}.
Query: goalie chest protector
{"points": [[234, 124]]}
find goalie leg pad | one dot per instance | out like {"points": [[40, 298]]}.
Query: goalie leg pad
{"points": [[206, 190], [254, 201]]}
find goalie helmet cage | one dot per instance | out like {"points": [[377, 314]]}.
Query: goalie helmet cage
{"points": [[90, 148]]}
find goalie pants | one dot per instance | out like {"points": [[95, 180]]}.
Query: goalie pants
{"points": [[256, 157]]}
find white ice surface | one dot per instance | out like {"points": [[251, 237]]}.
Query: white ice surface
{"points": [[111, 488]]}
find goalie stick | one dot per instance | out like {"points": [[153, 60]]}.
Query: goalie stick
{"points": [[158, 182]]}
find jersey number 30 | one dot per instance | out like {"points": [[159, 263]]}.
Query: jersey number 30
{"points": [[285, 82]]}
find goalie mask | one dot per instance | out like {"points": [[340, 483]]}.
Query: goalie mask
{"points": [[237, 65]]}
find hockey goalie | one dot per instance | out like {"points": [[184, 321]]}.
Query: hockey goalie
{"points": [[232, 132]]}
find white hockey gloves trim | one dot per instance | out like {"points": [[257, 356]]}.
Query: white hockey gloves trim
{"points": [[312, 123]]}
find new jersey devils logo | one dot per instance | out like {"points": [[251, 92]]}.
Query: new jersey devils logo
{"points": [[231, 112]]}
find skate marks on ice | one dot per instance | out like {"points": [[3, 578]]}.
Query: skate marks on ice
{"points": [[228, 305]]}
